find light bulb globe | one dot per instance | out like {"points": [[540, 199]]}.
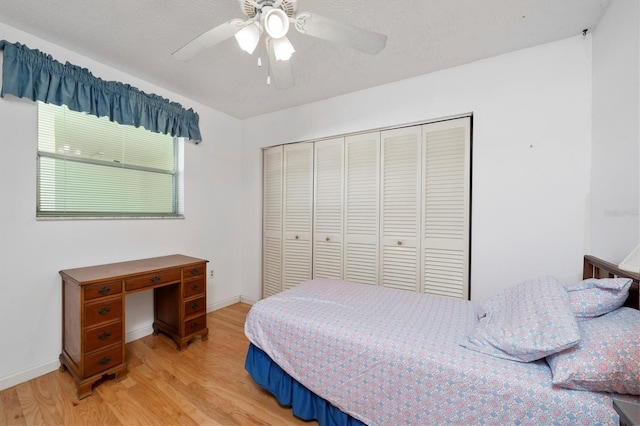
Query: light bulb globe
{"points": [[276, 23], [248, 38]]}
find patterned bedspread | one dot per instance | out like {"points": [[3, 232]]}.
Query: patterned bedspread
{"points": [[389, 357]]}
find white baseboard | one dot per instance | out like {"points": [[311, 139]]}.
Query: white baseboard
{"points": [[39, 370], [223, 303], [138, 334], [28, 374], [248, 300]]}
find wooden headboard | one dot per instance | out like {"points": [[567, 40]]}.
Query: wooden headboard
{"points": [[598, 268]]}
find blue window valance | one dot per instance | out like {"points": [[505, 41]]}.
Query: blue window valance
{"points": [[32, 74]]}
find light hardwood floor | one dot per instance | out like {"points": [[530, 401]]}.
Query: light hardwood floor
{"points": [[204, 384]]}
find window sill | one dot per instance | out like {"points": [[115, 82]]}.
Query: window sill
{"points": [[58, 218]]}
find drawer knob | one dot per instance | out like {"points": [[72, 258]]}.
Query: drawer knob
{"points": [[155, 279], [104, 335], [195, 324], [105, 360], [104, 290], [105, 310], [195, 305], [194, 271], [195, 287]]}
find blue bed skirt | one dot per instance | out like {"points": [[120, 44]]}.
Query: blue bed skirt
{"points": [[290, 393]]}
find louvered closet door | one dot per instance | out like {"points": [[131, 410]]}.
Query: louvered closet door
{"points": [[446, 207], [297, 213], [328, 208], [401, 208], [361, 219], [272, 221]]}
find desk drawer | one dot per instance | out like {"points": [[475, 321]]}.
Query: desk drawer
{"points": [[193, 287], [195, 271], [101, 337], [195, 306], [103, 289], [103, 360], [102, 311], [195, 325], [152, 280]]}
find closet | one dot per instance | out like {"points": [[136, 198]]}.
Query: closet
{"points": [[388, 208]]}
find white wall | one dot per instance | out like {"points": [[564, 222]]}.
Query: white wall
{"points": [[531, 156], [615, 189], [32, 252]]}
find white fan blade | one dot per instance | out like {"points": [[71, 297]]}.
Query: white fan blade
{"points": [[209, 38], [337, 32], [280, 71]]}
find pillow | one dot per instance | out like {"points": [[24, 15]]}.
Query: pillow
{"points": [[526, 322], [607, 358], [594, 297]]}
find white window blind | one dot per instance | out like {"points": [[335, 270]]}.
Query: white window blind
{"points": [[92, 167]]}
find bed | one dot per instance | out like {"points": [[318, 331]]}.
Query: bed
{"points": [[349, 354]]}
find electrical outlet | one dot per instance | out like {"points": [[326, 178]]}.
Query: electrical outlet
{"points": [[211, 273]]}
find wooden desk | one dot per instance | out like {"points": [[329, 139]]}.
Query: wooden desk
{"points": [[93, 307]]}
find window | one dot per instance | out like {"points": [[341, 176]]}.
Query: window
{"points": [[92, 167]]}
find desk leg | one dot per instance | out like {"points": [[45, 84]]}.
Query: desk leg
{"points": [[85, 386], [121, 375], [85, 389], [183, 343]]}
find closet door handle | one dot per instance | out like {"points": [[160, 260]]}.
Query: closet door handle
{"points": [[399, 242], [297, 237], [327, 239]]}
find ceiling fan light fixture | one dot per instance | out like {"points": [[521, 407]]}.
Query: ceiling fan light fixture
{"points": [[276, 23], [248, 37], [273, 19], [283, 49]]}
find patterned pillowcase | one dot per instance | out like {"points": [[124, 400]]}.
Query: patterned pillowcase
{"points": [[607, 359], [526, 322], [594, 297]]}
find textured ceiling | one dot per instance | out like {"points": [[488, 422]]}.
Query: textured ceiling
{"points": [[138, 37]]}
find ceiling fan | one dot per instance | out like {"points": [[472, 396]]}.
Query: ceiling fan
{"points": [[272, 18]]}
